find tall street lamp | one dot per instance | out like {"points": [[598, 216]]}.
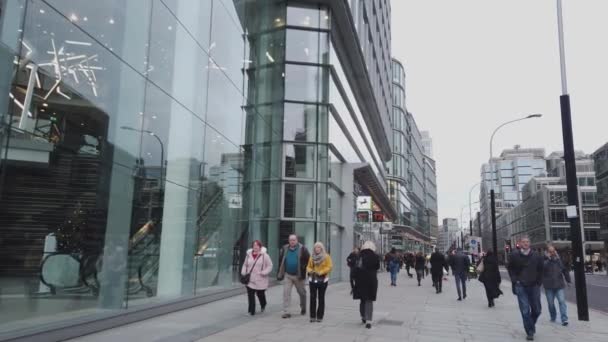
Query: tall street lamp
{"points": [[471, 208], [492, 195], [571, 181]]}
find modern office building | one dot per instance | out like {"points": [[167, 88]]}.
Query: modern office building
{"points": [[600, 158], [542, 214], [510, 172], [145, 144], [406, 178], [449, 229], [427, 143], [430, 198]]}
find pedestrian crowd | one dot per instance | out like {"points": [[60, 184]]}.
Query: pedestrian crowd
{"points": [[528, 270]]}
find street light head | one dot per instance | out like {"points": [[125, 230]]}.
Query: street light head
{"points": [[534, 116]]}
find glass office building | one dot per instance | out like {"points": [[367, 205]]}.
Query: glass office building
{"points": [[510, 173], [408, 181], [600, 158], [145, 144]]}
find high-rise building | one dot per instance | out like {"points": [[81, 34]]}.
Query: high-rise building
{"points": [[412, 177], [449, 230], [600, 158], [145, 144], [427, 143], [541, 215], [512, 170]]}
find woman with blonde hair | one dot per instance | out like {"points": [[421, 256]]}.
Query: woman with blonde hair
{"points": [[318, 269], [366, 281]]}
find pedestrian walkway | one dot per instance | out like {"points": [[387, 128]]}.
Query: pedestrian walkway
{"points": [[403, 313]]}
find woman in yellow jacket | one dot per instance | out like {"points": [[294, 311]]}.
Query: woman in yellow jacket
{"points": [[318, 269]]}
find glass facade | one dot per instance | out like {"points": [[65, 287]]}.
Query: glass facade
{"points": [[145, 144], [123, 153], [600, 158]]}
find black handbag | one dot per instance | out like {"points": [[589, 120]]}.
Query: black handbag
{"points": [[247, 277]]}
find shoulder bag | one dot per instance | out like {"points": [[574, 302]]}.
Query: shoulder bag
{"points": [[247, 277]]}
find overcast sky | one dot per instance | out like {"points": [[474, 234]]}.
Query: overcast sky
{"points": [[474, 64]]}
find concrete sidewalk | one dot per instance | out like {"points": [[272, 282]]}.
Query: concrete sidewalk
{"points": [[403, 313]]}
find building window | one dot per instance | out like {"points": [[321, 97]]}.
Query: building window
{"points": [[299, 200], [300, 161], [589, 197], [558, 197], [300, 122], [559, 216], [591, 216]]}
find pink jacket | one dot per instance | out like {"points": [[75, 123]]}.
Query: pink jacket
{"points": [[259, 275]]}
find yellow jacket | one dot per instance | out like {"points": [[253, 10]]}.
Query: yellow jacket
{"points": [[323, 269]]}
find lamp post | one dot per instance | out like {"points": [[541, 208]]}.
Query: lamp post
{"points": [[571, 181], [492, 195], [471, 208]]}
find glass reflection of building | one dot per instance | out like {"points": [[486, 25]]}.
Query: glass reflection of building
{"points": [[408, 181], [145, 144]]}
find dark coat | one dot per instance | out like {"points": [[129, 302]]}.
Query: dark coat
{"points": [[526, 269], [438, 263], [351, 260], [420, 262], [490, 277], [366, 278], [459, 263], [554, 274]]}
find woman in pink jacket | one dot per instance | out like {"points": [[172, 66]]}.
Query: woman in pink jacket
{"points": [[258, 264]]}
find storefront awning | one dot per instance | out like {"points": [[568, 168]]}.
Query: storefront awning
{"points": [[367, 178]]}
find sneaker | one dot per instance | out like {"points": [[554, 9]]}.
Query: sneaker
{"points": [[459, 299], [565, 324], [368, 326], [319, 320], [286, 315], [363, 321], [312, 320], [530, 338]]}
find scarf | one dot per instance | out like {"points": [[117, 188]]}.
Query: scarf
{"points": [[317, 259]]}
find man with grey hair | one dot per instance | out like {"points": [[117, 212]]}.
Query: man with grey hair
{"points": [[293, 259], [526, 272]]}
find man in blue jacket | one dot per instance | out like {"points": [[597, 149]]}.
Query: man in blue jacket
{"points": [[554, 274], [526, 272]]}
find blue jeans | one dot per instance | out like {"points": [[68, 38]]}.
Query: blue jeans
{"points": [[394, 277], [461, 278], [561, 300], [528, 298]]}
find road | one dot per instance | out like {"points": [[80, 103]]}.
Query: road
{"points": [[597, 290]]}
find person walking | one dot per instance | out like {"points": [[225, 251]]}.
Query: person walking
{"points": [[526, 272], [366, 281], [438, 263], [351, 262], [490, 277], [554, 274], [459, 263], [293, 259], [419, 266], [318, 269], [393, 265], [409, 263], [258, 266]]}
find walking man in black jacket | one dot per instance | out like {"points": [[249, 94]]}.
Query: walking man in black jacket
{"points": [[526, 272], [459, 263]]}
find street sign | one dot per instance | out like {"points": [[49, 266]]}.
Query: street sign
{"points": [[571, 211], [364, 203], [387, 227]]}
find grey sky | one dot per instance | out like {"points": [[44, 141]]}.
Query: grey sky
{"points": [[474, 64]]}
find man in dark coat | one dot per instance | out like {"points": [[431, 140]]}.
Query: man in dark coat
{"points": [[438, 263], [460, 266], [526, 272], [366, 281], [490, 277]]}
